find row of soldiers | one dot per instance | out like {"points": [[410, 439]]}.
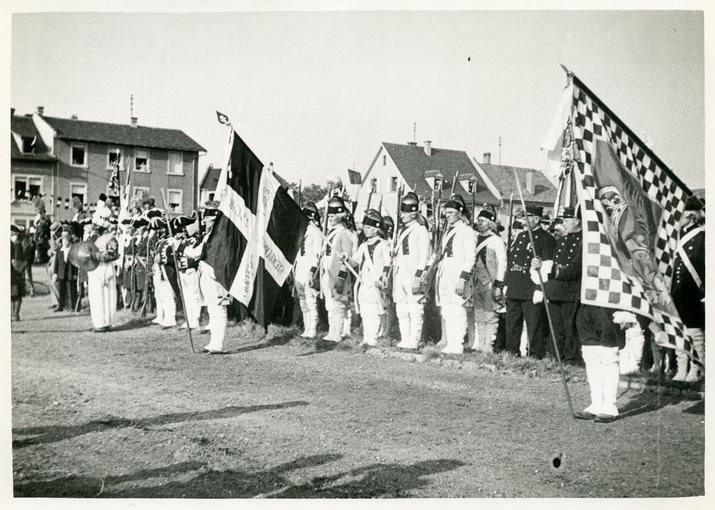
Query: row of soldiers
{"points": [[465, 277]]}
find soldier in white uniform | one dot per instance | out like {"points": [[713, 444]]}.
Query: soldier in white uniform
{"points": [[489, 273], [216, 297], [334, 278], [453, 279], [305, 269], [101, 281], [410, 261], [163, 292], [373, 262], [389, 317], [186, 228]]}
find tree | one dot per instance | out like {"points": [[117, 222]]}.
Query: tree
{"points": [[311, 192]]}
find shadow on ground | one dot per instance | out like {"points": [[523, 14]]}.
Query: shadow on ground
{"points": [[54, 433], [647, 402], [372, 481]]}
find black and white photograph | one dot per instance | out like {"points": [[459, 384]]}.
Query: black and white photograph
{"points": [[353, 251]]}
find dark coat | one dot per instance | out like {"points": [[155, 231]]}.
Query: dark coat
{"points": [[64, 269], [17, 270], [684, 290], [518, 271], [564, 282]]}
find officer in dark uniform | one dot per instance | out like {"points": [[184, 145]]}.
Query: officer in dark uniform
{"points": [[688, 287], [524, 301], [140, 270], [562, 282]]}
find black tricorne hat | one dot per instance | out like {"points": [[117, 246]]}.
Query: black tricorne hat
{"points": [[410, 202], [336, 205], [372, 218], [311, 211], [534, 210], [456, 202], [487, 214]]}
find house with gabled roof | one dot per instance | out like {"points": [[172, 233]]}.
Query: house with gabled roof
{"points": [[76, 158], [418, 168]]}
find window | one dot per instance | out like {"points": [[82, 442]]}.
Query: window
{"points": [[141, 192], [212, 195], [393, 184], [384, 160], [27, 187], [176, 163], [78, 190], [373, 185], [174, 197], [114, 157], [78, 155], [141, 160], [28, 144]]}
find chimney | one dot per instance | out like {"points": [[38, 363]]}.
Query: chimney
{"points": [[487, 158], [74, 116], [40, 110], [12, 112], [428, 147], [134, 121], [530, 181], [413, 144]]}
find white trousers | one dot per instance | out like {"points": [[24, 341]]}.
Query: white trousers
{"points": [[410, 316], [165, 304], [218, 317], [102, 295], [603, 375], [192, 297], [482, 329], [371, 319], [454, 319]]}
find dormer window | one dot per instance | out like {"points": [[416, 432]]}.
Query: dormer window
{"points": [[28, 144]]}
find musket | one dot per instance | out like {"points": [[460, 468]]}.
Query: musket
{"points": [[428, 276], [511, 219], [316, 275], [369, 196], [395, 235], [473, 183], [176, 269], [300, 193]]}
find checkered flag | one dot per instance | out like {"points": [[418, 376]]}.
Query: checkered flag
{"points": [[625, 162]]}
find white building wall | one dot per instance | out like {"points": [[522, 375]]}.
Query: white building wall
{"points": [[384, 173]]}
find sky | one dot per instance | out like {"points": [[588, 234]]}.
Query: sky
{"points": [[316, 92]]}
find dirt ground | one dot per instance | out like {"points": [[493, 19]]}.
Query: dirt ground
{"points": [[134, 413]]}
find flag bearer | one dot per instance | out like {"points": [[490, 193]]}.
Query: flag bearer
{"points": [[454, 274], [215, 296], [373, 262], [487, 294], [306, 266], [688, 287], [410, 261], [334, 277]]}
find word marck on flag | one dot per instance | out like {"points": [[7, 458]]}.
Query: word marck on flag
{"points": [[630, 202], [254, 242]]}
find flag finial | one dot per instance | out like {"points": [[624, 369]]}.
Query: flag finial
{"points": [[569, 74], [222, 118]]}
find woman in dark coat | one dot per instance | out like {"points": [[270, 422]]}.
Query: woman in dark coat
{"points": [[18, 263]]}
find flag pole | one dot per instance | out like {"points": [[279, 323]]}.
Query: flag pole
{"points": [[546, 304], [176, 268]]}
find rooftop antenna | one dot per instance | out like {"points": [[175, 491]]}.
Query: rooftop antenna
{"points": [[500, 150], [131, 106], [414, 132]]}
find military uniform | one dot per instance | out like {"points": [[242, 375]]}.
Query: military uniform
{"points": [[389, 318], [189, 276], [163, 290], [489, 271], [373, 261], [563, 291], [410, 261], [305, 268], [335, 282], [524, 300], [458, 248], [688, 292]]}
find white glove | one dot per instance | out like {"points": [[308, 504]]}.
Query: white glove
{"points": [[538, 297], [546, 267], [535, 276]]}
